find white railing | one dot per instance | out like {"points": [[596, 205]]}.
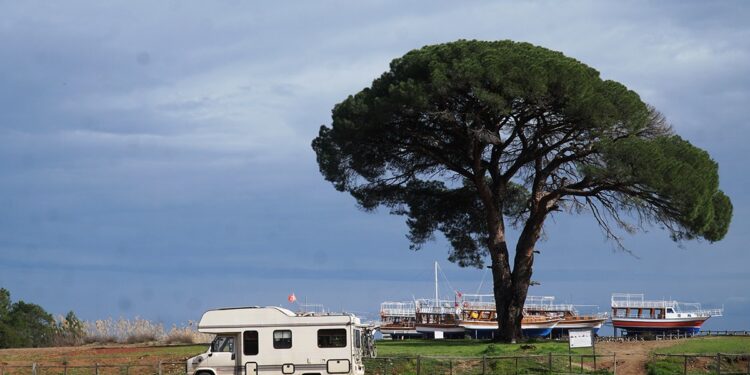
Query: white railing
{"points": [[400, 309], [620, 300], [430, 306]]}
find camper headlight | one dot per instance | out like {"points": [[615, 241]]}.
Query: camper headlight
{"points": [[197, 360]]}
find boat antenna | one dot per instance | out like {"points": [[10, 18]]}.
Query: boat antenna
{"points": [[444, 278], [481, 282]]}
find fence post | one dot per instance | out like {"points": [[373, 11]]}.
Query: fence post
{"points": [[96, 368], [516, 357], [450, 365], [385, 372], [550, 361], [581, 363], [570, 361], [65, 369], [685, 370], [718, 363], [33, 368], [160, 369], [418, 365], [484, 364], [614, 360]]}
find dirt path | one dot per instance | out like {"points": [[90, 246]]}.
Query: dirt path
{"points": [[631, 356]]}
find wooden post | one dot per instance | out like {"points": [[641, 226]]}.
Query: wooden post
{"points": [[385, 372], [484, 364], [686, 361], [718, 363], [33, 368], [581, 363], [65, 369], [160, 368], [418, 365], [570, 360], [96, 368], [450, 365], [516, 358], [550, 362], [614, 359]]}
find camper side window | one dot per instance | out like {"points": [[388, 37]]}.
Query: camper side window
{"points": [[250, 342], [282, 339], [357, 338], [223, 344], [331, 338]]}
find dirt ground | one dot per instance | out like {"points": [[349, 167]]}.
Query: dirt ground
{"points": [[631, 356], [88, 355]]}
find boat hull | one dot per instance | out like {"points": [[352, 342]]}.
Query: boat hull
{"points": [[449, 331], [486, 330], [398, 333], [593, 324], [687, 325]]}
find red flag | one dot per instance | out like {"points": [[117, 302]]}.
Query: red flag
{"points": [[458, 294], [292, 298]]}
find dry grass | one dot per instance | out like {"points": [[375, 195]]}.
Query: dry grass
{"points": [[139, 330]]}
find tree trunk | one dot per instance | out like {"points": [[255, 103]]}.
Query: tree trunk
{"points": [[501, 281], [510, 295]]}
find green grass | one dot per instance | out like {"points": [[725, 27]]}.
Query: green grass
{"points": [[707, 346], [469, 348], [466, 357], [710, 345]]}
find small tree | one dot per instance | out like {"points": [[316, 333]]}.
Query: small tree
{"points": [[467, 137]]}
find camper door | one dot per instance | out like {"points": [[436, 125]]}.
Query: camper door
{"points": [[224, 357], [250, 344]]}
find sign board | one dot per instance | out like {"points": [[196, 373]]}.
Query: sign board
{"points": [[580, 338], [438, 335]]}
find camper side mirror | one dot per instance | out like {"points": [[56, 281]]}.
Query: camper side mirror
{"points": [[233, 356]]}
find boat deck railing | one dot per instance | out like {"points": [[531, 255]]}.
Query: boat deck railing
{"points": [[628, 300], [430, 306], [399, 309]]}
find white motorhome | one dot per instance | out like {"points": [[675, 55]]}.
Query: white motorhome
{"points": [[274, 340]]}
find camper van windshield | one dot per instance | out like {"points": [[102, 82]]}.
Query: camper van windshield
{"points": [[223, 344]]}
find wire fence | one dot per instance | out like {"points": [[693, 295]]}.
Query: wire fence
{"points": [[719, 363], [159, 368], [494, 365]]}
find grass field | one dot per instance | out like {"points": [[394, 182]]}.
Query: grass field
{"points": [[477, 357], [706, 361], [458, 357]]}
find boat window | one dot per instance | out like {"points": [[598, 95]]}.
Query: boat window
{"points": [[670, 311], [250, 342], [282, 339], [331, 338], [223, 344]]}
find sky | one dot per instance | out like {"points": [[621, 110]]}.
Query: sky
{"points": [[155, 157]]}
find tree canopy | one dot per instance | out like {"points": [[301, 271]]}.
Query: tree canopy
{"points": [[465, 136]]}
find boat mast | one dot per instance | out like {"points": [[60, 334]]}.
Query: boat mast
{"points": [[437, 299]]}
